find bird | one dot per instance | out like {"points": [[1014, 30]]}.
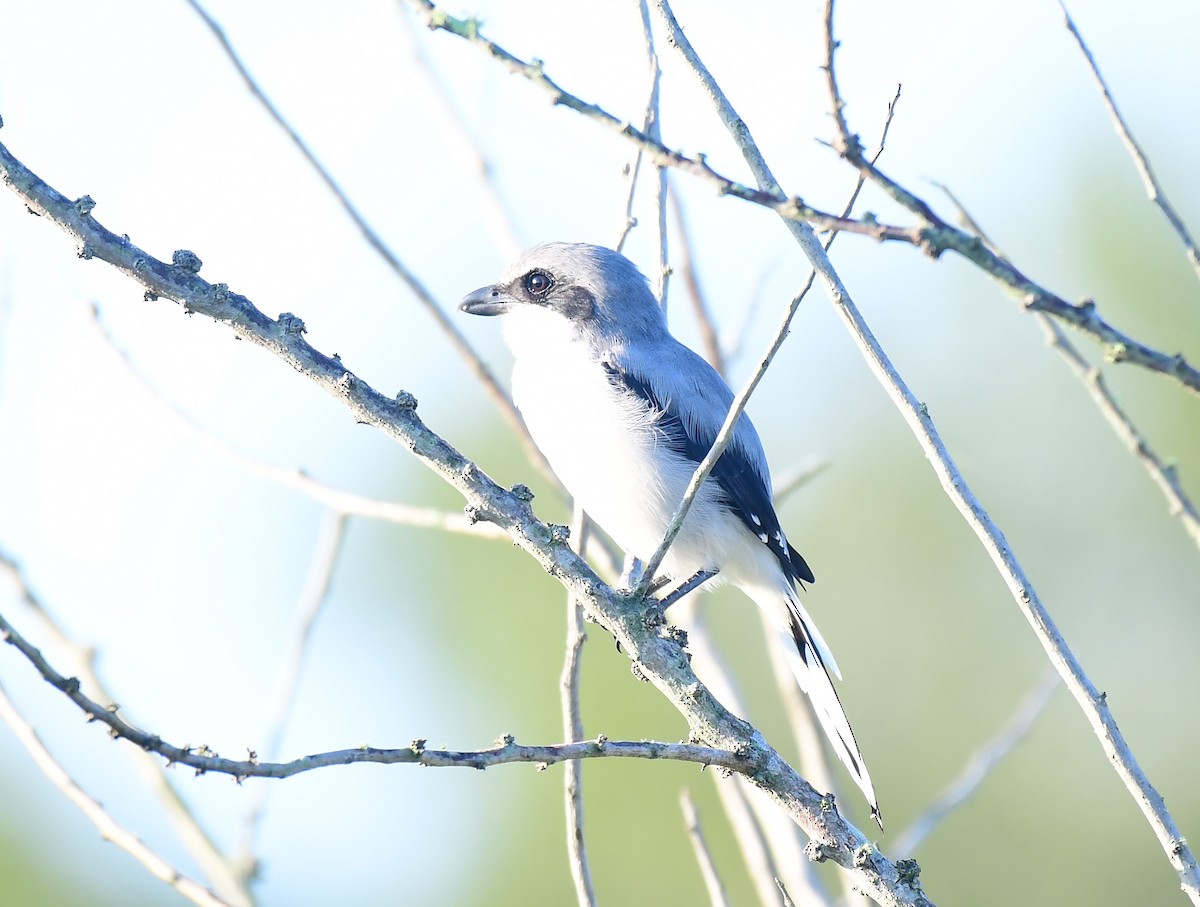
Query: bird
{"points": [[624, 413]]}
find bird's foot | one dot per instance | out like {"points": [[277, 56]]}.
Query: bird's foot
{"points": [[692, 583]]}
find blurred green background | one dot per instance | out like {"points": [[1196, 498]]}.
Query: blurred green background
{"points": [[184, 570]]}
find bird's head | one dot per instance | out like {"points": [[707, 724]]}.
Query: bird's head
{"points": [[593, 291]]}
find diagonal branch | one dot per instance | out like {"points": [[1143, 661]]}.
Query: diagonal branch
{"points": [[691, 280], [720, 443], [1091, 701], [708, 869], [636, 625], [1154, 191], [108, 827], [916, 414], [215, 865], [1165, 476], [496, 212], [980, 766], [346, 503], [459, 342], [933, 235]]}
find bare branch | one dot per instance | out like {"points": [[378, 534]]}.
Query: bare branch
{"points": [[1165, 477], [312, 599], [708, 869], [1091, 701], [495, 210], [1154, 191], [230, 887], [722, 441], [108, 827], [659, 658], [933, 235], [792, 480], [649, 126], [466, 352], [204, 760], [980, 765], [506, 750], [769, 848], [709, 337], [734, 336], [581, 872], [787, 898], [346, 503], [653, 128]]}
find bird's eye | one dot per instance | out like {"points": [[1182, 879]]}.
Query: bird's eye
{"points": [[538, 283]]}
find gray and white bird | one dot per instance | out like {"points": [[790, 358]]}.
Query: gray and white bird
{"points": [[624, 413]]}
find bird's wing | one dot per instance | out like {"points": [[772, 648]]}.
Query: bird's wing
{"points": [[694, 401]]}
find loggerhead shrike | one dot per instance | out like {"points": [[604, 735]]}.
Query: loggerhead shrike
{"points": [[624, 413]]}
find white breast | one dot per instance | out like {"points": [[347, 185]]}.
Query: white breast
{"points": [[602, 445]]}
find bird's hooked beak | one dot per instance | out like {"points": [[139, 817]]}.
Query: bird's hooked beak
{"points": [[486, 301]]}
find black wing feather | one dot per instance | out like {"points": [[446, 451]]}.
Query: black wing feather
{"points": [[744, 489]]}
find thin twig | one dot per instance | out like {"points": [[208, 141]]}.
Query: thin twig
{"points": [[980, 766], [723, 439], [933, 235], [709, 337], [792, 480], [344, 502], [653, 128], [799, 713], [204, 760], [734, 336], [631, 175], [708, 869], [634, 168], [658, 658], [108, 827], [1093, 704], [1165, 476], [758, 166], [1154, 190], [496, 212], [577, 855], [650, 127], [787, 898], [466, 352], [769, 848], [951, 479], [313, 597]]}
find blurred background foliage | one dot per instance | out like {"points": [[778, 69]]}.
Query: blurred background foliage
{"points": [[183, 570]]}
